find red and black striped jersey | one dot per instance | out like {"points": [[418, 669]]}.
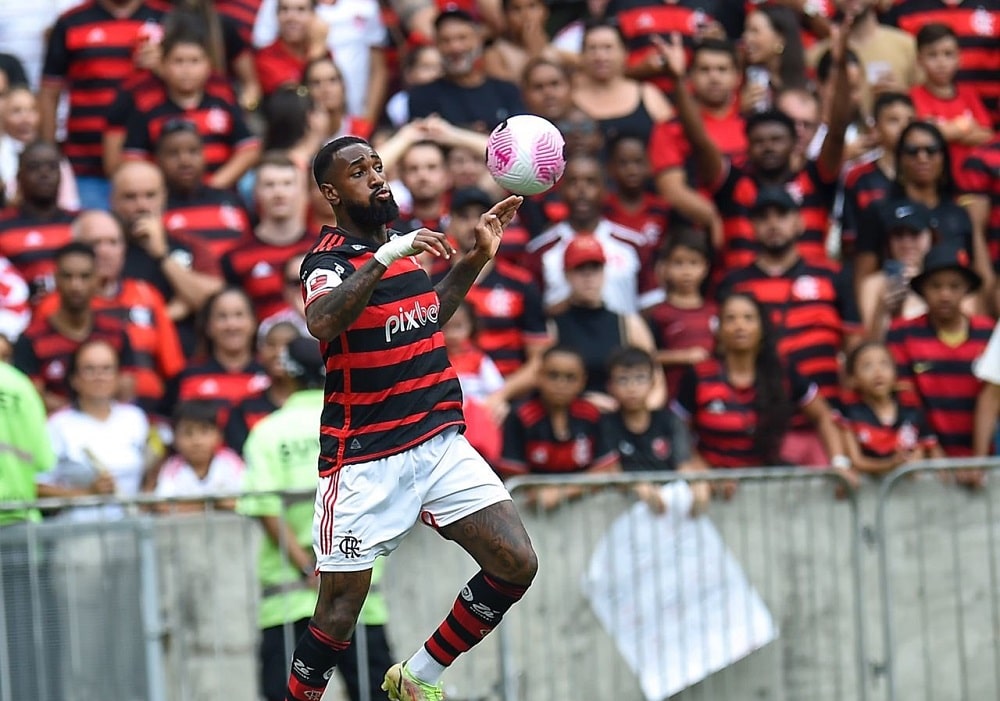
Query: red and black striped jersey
{"points": [[877, 440], [245, 416], [812, 308], [723, 418], [864, 184], [30, 243], [90, 52], [531, 446], [219, 122], [146, 88], [980, 175], [669, 147], [211, 220], [640, 20], [43, 353], [243, 14], [675, 328], [389, 384], [964, 103], [209, 380], [977, 25], [156, 347], [258, 269], [509, 315], [736, 193], [941, 376]]}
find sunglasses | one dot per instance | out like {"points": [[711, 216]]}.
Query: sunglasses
{"points": [[932, 150]]}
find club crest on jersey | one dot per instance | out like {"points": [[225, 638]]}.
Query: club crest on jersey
{"points": [[410, 319]]}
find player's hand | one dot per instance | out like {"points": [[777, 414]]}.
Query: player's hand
{"points": [[422, 240], [673, 60], [489, 230]]}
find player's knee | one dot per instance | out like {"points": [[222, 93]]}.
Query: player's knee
{"points": [[337, 616], [524, 565]]}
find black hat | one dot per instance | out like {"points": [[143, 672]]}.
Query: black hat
{"points": [[946, 256], [452, 11], [773, 197], [303, 361], [906, 214], [464, 196]]}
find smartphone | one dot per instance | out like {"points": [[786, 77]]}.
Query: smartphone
{"points": [[758, 75], [893, 270]]}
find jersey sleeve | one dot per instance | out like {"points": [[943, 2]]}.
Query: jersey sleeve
{"points": [[236, 430], [534, 327], [137, 141], [686, 401], [120, 112], [240, 135], [513, 457], [680, 440], [605, 455], [975, 176], [56, 64], [801, 390], [322, 272], [25, 358]]}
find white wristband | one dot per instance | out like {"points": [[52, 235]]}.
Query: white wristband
{"points": [[399, 247], [840, 462]]}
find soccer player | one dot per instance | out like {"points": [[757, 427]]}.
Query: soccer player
{"points": [[393, 414]]}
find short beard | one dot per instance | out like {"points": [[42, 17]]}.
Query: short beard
{"points": [[372, 215], [779, 249]]}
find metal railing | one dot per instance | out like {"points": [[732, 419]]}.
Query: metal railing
{"points": [[795, 589]]}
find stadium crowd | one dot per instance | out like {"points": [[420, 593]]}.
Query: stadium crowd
{"points": [[776, 240]]}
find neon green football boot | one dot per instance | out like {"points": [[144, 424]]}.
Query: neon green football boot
{"points": [[403, 686]]}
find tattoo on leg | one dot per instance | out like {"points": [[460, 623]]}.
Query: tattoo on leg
{"points": [[496, 539]]}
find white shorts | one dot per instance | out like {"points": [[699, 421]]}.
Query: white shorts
{"points": [[365, 510]]}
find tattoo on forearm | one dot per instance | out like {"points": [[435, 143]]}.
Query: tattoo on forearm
{"points": [[331, 314], [452, 290]]}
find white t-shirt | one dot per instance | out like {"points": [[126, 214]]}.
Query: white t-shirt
{"points": [[84, 445], [621, 272], [987, 366], [178, 479], [355, 28]]}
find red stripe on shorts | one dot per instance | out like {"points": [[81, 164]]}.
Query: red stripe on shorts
{"points": [[326, 521]]}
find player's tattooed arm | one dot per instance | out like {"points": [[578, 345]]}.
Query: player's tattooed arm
{"points": [[330, 315], [456, 284]]}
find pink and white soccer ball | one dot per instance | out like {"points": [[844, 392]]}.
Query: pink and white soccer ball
{"points": [[524, 154]]}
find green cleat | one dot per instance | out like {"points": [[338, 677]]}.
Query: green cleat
{"points": [[403, 686]]}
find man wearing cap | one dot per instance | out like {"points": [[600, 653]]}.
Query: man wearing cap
{"points": [[281, 454], [811, 304], [934, 353], [465, 95], [511, 325]]}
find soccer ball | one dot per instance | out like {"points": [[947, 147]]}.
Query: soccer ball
{"points": [[524, 154]]}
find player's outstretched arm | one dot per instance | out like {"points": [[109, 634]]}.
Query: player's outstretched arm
{"points": [[489, 232]]}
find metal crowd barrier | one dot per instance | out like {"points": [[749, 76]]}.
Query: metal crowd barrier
{"points": [[795, 589]]}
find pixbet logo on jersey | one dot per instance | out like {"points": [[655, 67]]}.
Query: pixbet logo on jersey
{"points": [[410, 319]]}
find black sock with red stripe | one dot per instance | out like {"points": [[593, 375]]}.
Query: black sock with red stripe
{"points": [[477, 611], [313, 662]]}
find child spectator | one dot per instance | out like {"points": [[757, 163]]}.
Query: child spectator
{"points": [[683, 325], [202, 465], [631, 204], [646, 440], [880, 434], [934, 352], [557, 432], [479, 377], [230, 148], [954, 108]]}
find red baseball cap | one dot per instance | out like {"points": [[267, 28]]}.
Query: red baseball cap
{"points": [[583, 249]]}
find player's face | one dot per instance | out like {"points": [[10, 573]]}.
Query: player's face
{"points": [[740, 328], [460, 45], [96, 375], [713, 78], [186, 68], [603, 55], [278, 192], [583, 189], [231, 323], [76, 282], [326, 88], [547, 92], [943, 292], [181, 158], [890, 124], [561, 380], [629, 165], [197, 441], [874, 372], [20, 116], [105, 236], [357, 184], [776, 230], [630, 386], [294, 17], [138, 192], [771, 146], [271, 348], [424, 173], [38, 175]]}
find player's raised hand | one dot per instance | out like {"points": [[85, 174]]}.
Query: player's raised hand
{"points": [[489, 230]]}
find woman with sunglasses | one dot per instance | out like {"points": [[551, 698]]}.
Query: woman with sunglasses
{"points": [[923, 176]]}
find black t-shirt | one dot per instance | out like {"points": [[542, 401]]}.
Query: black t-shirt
{"points": [[949, 221], [665, 445], [480, 108]]}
